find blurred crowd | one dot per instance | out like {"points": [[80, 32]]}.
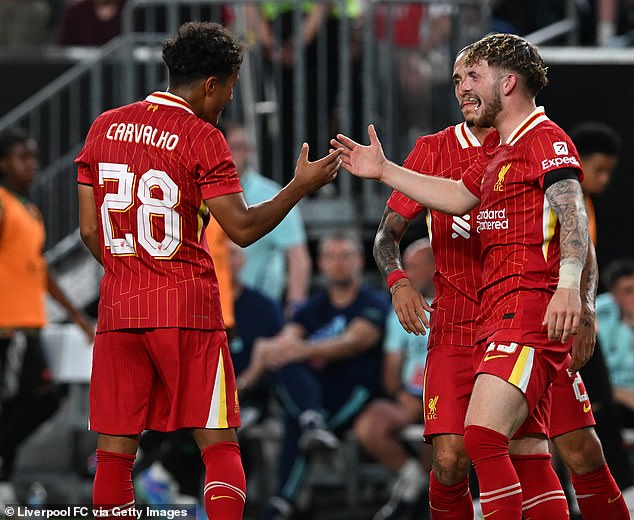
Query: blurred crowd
{"points": [[94, 22]]}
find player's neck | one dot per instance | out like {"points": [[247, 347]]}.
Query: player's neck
{"points": [[480, 132], [512, 116]]}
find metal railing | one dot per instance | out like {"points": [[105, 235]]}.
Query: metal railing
{"points": [[347, 76]]}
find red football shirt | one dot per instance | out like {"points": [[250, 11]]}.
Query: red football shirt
{"points": [[519, 232], [152, 164], [455, 242]]}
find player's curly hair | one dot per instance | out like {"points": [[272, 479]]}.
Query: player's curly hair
{"points": [[513, 53], [200, 50]]}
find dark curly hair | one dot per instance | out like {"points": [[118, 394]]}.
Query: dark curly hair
{"points": [[200, 50], [513, 53], [594, 137]]}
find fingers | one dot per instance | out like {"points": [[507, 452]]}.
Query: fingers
{"points": [[303, 154], [427, 306], [411, 313], [561, 325], [374, 138], [343, 140]]}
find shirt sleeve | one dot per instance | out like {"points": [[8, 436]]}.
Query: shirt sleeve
{"points": [[217, 174], [473, 176], [84, 158], [553, 150], [421, 160]]}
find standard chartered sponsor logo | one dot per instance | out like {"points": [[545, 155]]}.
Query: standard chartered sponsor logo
{"points": [[461, 227], [491, 219]]}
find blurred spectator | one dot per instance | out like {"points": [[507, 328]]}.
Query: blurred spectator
{"points": [[615, 314], [413, 38], [90, 22], [377, 428], [28, 395], [24, 22], [274, 26], [218, 243], [326, 362], [257, 316], [598, 146], [278, 264]]}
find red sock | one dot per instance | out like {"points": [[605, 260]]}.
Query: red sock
{"points": [[598, 495], [112, 488], [225, 483], [450, 502], [543, 498], [500, 491]]}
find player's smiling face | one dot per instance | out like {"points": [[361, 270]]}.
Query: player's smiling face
{"points": [[477, 89]]}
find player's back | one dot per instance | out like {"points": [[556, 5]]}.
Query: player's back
{"points": [[152, 164]]}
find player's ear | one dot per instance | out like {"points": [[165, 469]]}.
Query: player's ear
{"points": [[210, 85], [509, 82]]}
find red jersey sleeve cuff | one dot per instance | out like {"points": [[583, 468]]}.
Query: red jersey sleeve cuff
{"points": [[472, 186], [404, 206], [84, 176], [211, 191]]}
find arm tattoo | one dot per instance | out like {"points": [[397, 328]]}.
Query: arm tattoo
{"points": [[566, 200], [590, 279], [387, 253]]}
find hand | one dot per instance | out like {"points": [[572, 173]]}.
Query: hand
{"points": [[315, 174], [583, 343], [276, 352], [367, 162], [562, 314], [410, 307]]}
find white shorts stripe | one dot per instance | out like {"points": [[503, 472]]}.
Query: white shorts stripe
{"points": [[214, 417]]}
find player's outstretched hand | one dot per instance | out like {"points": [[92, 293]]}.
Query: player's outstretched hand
{"points": [[583, 343], [313, 175], [367, 162], [562, 314]]}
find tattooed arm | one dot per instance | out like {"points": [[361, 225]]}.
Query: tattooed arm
{"points": [[409, 304], [563, 312], [584, 341]]}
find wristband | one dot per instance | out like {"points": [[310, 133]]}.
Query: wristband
{"points": [[395, 276], [570, 274]]}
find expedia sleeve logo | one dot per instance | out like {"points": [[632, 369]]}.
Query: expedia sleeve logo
{"points": [[558, 162], [561, 149]]}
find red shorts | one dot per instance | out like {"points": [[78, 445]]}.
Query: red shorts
{"points": [[571, 408], [162, 379], [448, 384], [529, 367]]}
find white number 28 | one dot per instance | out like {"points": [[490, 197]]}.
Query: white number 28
{"points": [[150, 207]]}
